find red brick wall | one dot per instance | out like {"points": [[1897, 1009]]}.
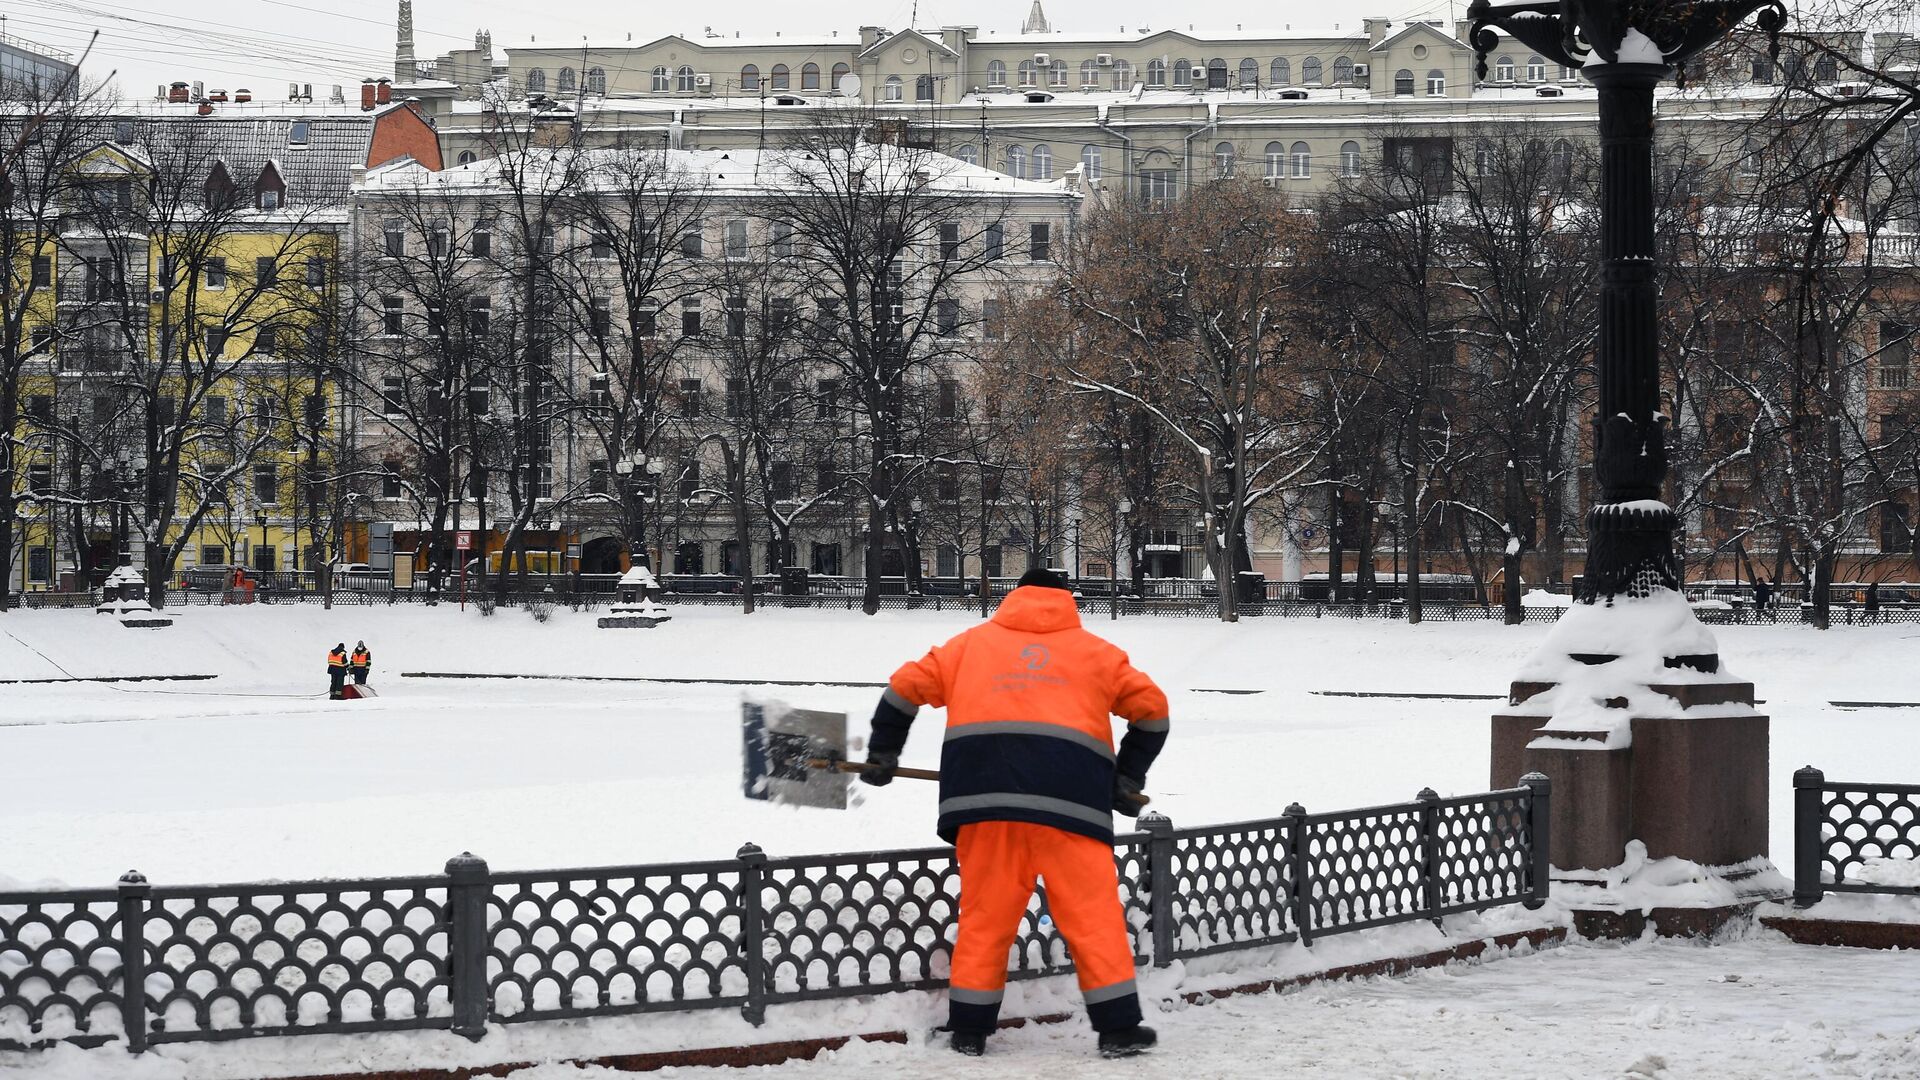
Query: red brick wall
{"points": [[403, 132]]}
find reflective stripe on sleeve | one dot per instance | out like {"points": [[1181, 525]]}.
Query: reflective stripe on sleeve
{"points": [[897, 700], [1159, 724]]}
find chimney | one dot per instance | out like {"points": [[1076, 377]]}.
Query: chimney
{"points": [[383, 91], [177, 92], [242, 95], [206, 108], [367, 92], [1376, 29]]}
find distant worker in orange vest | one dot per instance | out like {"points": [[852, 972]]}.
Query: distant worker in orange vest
{"points": [[360, 661], [337, 671], [1029, 779]]}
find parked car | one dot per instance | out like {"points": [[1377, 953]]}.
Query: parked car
{"points": [[359, 577]]}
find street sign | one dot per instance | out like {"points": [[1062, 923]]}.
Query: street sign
{"points": [[573, 552], [463, 541]]}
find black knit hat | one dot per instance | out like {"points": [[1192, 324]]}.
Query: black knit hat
{"points": [[1044, 578]]}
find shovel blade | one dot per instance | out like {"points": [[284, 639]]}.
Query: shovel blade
{"points": [[778, 741]]}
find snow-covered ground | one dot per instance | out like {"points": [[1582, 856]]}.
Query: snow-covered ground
{"points": [[255, 775]]}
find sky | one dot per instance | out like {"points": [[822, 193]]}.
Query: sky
{"points": [[265, 44]]}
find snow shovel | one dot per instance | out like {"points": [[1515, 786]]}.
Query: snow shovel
{"points": [[799, 756]]}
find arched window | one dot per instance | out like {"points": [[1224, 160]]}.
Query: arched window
{"points": [[1276, 161], [1090, 161], [536, 80], [466, 157], [967, 154], [1536, 69], [1563, 161], [1216, 74], [1182, 73], [1310, 71], [777, 78], [1028, 74], [1089, 73], [1436, 83], [1156, 74], [839, 72], [1249, 73], [1403, 83], [809, 76], [1042, 163], [750, 77], [996, 73], [568, 81], [1279, 73], [1017, 162], [1301, 159], [1349, 158], [662, 82], [597, 81], [683, 79], [1342, 71], [1122, 75], [1223, 159], [894, 88], [1058, 75], [1503, 69]]}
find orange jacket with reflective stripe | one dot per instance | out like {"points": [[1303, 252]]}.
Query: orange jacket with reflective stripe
{"points": [[336, 659], [361, 658], [1030, 697]]}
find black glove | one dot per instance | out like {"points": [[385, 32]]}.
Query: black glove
{"points": [[1125, 788], [879, 770]]}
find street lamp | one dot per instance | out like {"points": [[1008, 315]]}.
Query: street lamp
{"points": [[631, 468], [260, 519], [1624, 48]]}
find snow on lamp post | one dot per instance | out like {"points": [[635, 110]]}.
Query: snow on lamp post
{"points": [[1654, 751]]}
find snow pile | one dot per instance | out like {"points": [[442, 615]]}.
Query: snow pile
{"points": [[1903, 873], [1854, 907], [1642, 884], [1639, 633], [1543, 598]]}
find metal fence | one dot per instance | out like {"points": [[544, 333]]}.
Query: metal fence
{"points": [[1838, 826], [148, 964]]}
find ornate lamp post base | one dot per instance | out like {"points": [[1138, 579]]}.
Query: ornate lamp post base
{"points": [[1655, 753]]}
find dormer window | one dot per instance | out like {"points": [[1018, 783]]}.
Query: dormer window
{"points": [[220, 189], [298, 133], [123, 132], [270, 190]]}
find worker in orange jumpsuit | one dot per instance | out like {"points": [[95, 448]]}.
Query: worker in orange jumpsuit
{"points": [[337, 671], [1029, 779]]}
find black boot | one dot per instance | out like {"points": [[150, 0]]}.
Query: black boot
{"points": [[1127, 1042], [970, 1043]]}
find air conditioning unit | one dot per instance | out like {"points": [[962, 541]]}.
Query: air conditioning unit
{"points": [[1104, 59], [1041, 59], [1271, 181], [703, 81], [1361, 71]]}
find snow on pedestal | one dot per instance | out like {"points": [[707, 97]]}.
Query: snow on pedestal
{"points": [[636, 607], [1656, 753], [125, 595]]}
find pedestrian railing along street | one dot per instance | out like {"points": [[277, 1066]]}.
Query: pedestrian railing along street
{"points": [[147, 964], [1838, 827]]}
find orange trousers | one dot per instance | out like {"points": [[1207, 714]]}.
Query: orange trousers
{"points": [[999, 862]]}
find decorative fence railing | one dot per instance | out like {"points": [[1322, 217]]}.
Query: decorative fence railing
{"points": [[156, 964], [1840, 829]]}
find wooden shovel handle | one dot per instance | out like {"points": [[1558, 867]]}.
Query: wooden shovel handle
{"points": [[913, 774]]}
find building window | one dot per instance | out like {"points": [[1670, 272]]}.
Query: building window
{"points": [[840, 71], [1896, 357], [1301, 159], [967, 154], [1342, 71], [735, 245], [42, 272], [690, 395], [1028, 74], [690, 318], [40, 565], [949, 241], [995, 241], [266, 270], [479, 316], [1157, 185], [923, 88], [750, 77], [661, 81], [266, 485], [1223, 160], [947, 399], [215, 273], [1090, 162], [1503, 69], [1403, 83], [40, 479], [1017, 162], [1057, 73], [394, 238], [597, 81], [536, 81], [600, 319], [690, 241], [996, 73], [1896, 531], [946, 317], [736, 305], [390, 316], [568, 81], [1762, 70], [1436, 83], [393, 397], [1349, 158], [809, 76], [1156, 74], [390, 482], [316, 273], [1182, 73], [1040, 241], [1042, 162], [646, 319], [216, 343], [683, 79], [1310, 71], [894, 88], [1249, 73], [777, 78], [992, 327], [1536, 69], [1089, 75]]}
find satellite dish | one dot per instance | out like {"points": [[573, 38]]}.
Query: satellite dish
{"points": [[849, 85]]}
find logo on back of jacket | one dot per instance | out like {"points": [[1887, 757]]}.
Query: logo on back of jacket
{"points": [[1032, 661]]}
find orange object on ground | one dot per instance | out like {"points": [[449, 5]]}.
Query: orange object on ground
{"points": [[999, 861]]}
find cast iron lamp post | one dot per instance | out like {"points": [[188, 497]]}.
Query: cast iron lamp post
{"points": [[1624, 47]]}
